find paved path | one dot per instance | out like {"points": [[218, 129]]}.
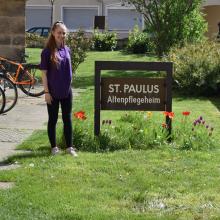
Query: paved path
{"points": [[29, 114]]}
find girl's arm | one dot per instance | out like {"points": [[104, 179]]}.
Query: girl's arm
{"points": [[48, 97]]}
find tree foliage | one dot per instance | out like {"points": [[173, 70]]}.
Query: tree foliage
{"points": [[172, 22]]}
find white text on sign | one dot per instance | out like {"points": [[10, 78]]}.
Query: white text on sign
{"points": [[131, 88]]}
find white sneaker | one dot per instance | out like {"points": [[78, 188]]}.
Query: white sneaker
{"points": [[55, 150], [70, 150]]}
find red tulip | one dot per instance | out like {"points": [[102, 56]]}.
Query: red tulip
{"points": [[80, 115], [169, 114], [186, 113]]}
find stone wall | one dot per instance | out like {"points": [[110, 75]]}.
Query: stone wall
{"points": [[12, 28]]}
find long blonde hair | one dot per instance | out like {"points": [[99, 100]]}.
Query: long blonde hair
{"points": [[51, 43]]}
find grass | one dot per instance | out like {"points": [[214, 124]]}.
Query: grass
{"points": [[160, 183], [122, 185]]}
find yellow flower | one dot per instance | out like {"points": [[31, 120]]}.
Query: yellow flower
{"points": [[149, 114]]}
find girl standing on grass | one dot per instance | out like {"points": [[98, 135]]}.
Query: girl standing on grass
{"points": [[56, 76]]}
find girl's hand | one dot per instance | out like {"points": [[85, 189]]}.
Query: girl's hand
{"points": [[48, 98]]}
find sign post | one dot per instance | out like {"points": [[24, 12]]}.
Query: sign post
{"points": [[140, 93]]}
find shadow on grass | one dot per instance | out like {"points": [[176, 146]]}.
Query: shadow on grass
{"points": [[139, 55], [83, 82], [215, 101], [40, 152], [181, 97]]}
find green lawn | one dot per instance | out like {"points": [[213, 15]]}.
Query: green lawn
{"points": [[162, 183]]}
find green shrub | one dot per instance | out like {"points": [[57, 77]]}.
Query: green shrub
{"points": [[138, 42], [79, 44], [34, 40], [106, 41], [197, 68]]}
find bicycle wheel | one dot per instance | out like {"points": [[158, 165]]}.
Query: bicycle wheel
{"points": [[11, 93], [2, 100], [30, 81]]}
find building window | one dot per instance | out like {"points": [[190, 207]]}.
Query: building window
{"points": [[76, 18], [123, 19]]}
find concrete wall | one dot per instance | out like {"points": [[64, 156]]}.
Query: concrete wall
{"points": [[58, 5], [213, 18], [211, 2], [210, 7], [12, 26]]}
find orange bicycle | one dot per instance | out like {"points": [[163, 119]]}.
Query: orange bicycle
{"points": [[26, 76], [10, 92]]}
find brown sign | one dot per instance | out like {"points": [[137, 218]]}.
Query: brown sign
{"points": [[133, 94], [154, 94]]}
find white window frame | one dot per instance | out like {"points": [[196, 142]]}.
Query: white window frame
{"points": [[89, 7], [118, 6], [37, 7], [211, 3]]}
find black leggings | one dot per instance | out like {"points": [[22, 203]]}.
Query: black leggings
{"points": [[53, 109]]}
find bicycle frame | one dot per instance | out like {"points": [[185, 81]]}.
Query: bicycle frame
{"points": [[15, 78]]}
